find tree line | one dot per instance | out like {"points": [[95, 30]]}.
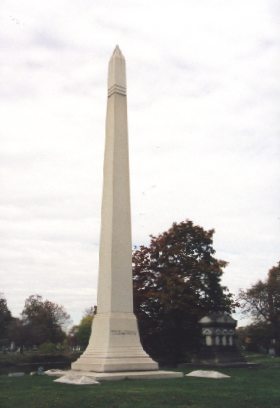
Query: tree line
{"points": [[262, 302], [41, 321], [176, 281]]}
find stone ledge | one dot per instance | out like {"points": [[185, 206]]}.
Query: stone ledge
{"points": [[236, 364], [127, 375]]}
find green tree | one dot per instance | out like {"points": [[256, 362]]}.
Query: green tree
{"points": [[83, 330], [177, 280], [17, 332], [43, 321], [262, 302], [5, 319], [255, 337]]}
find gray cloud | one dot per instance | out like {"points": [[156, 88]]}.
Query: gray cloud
{"points": [[45, 39]]}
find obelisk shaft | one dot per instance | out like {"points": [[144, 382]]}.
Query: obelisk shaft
{"points": [[114, 344], [115, 273]]}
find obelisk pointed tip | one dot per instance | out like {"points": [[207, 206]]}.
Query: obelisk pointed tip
{"points": [[117, 52], [116, 74]]}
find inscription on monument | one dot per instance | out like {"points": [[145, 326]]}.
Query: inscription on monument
{"points": [[123, 332]]}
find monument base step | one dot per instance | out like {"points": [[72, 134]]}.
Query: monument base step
{"points": [[127, 375]]}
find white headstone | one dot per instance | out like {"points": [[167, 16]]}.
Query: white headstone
{"points": [[207, 374], [77, 380]]}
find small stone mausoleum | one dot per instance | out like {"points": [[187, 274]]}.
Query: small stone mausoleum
{"points": [[218, 342], [218, 329]]}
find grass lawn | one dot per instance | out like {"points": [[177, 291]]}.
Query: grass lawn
{"points": [[247, 388]]}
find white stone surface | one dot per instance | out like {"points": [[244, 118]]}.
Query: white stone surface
{"points": [[124, 375], [114, 344], [19, 374], [77, 380], [207, 374], [54, 372], [138, 375]]}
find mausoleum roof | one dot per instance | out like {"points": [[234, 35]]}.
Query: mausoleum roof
{"points": [[217, 318]]}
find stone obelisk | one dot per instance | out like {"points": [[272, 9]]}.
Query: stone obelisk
{"points": [[114, 344]]}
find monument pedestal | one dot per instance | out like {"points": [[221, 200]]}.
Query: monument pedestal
{"points": [[114, 346], [137, 375]]}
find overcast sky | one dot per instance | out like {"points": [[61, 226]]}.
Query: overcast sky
{"points": [[203, 109]]}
